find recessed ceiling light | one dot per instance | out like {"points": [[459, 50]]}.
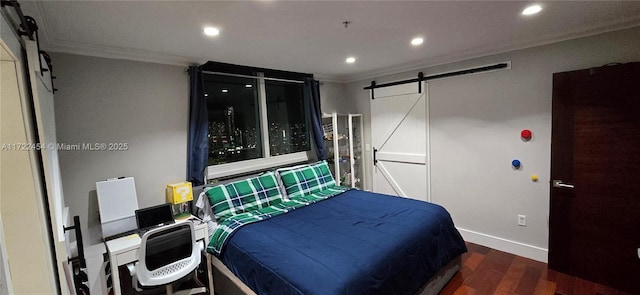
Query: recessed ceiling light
{"points": [[350, 60], [417, 41], [206, 94], [211, 31], [248, 85], [225, 90], [533, 9]]}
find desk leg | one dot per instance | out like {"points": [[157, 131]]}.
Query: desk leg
{"points": [[115, 276], [210, 274]]}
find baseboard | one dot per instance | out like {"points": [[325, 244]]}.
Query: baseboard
{"points": [[513, 247]]}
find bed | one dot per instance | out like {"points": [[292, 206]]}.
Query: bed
{"points": [[335, 240]]}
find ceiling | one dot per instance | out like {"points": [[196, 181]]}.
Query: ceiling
{"points": [[309, 37]]}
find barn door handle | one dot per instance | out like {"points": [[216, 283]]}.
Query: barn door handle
{"points": [[375, 161], [559, 184]]}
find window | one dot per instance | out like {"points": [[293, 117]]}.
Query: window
{"points": [[234, 121], [286, 116], [255, 122]]}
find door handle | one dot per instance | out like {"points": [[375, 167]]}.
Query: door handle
{"points": [[559, 184], [375, 161]]}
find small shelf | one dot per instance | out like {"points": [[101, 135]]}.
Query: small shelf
{"points": [[343, 141]]}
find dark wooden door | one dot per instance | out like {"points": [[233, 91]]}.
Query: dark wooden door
{"points": [[594, 220]]}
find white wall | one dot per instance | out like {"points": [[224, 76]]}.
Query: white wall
{"points": [[475, 124], [117, 101], [333, 98]]}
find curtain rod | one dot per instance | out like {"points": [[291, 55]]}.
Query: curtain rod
{"points": [[421, 77], [252, 77]]}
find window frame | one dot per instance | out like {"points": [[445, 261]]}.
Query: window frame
{"points": [[267, 160]]}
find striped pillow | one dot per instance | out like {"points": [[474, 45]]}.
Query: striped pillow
{"points": [[308, 179], [244, 195]]}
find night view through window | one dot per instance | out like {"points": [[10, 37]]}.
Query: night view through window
{"points": [[234, 118], [287, 118]]}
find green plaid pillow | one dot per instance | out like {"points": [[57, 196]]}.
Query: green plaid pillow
{"points": [[307, 179], [244, 196]]}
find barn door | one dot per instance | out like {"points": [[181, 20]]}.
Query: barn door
{"points": [[43, 103], [400, 141]]}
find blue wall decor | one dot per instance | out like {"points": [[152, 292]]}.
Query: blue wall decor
{"points": [[515, 163]]}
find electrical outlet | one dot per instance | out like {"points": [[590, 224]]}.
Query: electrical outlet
{"points": [[522, 220]]}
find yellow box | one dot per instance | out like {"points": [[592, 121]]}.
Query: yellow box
{"points": [[179, 192]]}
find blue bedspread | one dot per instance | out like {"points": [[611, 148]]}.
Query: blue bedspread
{"points": [[354, 243]]}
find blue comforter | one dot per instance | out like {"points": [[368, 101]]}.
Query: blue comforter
{"points": [[354, 243]]}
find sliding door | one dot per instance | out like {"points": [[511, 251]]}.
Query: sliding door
{"points": [[400, 141], [43, 109], [22, 207]]}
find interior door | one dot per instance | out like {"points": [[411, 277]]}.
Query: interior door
{"points": [[595, 211], [7, 77], [399, 137], [44, 117], [27, 244]]}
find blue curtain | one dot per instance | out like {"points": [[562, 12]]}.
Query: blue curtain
{"points": [[312, 95], [198, 146]]}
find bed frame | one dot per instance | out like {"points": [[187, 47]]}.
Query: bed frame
{"points": [[227, 283]]}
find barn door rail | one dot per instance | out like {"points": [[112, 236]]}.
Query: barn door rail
{"points": [[26, 26], [421, 77], [29, 27]]}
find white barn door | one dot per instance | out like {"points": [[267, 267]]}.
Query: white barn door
{"points": [[43, 102], [399, 131]]}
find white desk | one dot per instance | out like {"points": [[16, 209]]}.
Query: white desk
{"points": [[125, 250]]}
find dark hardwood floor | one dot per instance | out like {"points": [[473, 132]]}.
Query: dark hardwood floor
{"points": [[489, 271]]}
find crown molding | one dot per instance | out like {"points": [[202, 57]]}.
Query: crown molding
{"points": [[45, 23], [120, 53], [612, 26], [329, 78], [50, 43]]}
